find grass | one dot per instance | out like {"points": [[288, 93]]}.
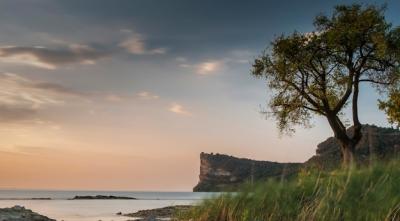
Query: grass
{"points": [[367, 194]]}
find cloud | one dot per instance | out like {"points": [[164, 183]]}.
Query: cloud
{"points": [[22, 98], [32, 150], [126, 30], [11, 82], [20, 91], [49, 58], [212, 66], [185, 65], [114, 98], [203, 68], [179, 109], [10, 113], [56, 88], [143, 95], [208, 67], [147, 95], [181, 59], [242, 56], [158, 51], [26, 150], [136, 45]]}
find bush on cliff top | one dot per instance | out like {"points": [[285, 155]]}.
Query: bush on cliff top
{"points": [[367, 194]]}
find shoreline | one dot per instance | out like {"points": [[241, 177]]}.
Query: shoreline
{"points": [[22, 213]]}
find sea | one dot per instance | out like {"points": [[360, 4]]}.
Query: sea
{"points": [[60, 207]]}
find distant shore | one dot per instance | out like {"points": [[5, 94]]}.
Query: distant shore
{"points": [[103, 197], [33, 198]]}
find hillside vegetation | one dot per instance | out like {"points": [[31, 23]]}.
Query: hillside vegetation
{"points": [[370, 193]]}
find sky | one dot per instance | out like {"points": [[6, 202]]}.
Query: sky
{"points": [[125, 95]]}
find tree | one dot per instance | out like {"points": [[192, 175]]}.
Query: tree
{"points": [[320, 73]]}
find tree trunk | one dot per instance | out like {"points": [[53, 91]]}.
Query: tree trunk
{"points": [[348, 154], [344, 140]]}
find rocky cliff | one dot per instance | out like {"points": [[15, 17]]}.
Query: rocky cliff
{"points": [[221, 172], [376, 143]]}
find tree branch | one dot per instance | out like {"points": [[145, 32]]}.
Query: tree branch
{"points": [[376, 82], [346, 95], [313, 109]]}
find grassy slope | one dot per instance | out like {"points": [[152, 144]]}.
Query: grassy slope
{"points": [[371, 193]]}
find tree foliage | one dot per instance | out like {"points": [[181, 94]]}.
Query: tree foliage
{"points": [[392, 107]]}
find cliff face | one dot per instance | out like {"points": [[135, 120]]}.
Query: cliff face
{"points": [[221, 172], [376, 143]]}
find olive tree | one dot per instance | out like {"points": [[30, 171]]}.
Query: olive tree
{"points": [[320, 72]]}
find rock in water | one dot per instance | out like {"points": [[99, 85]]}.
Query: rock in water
{"points": [[19, 213], [102, 197], [159, 213]]}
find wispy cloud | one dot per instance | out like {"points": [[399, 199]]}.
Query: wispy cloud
{"points": [[179, 109], [114, 98], [21, 98], [181, 59], [126, 30], [29, 151], [143, 95], [213, 66], [136, 45], [147, 95], [54, 87], [10, 113], [50, 58], [208, 67], [32, 150], [203, 68]]}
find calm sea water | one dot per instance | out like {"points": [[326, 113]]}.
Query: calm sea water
{"points": [[60, 208]]}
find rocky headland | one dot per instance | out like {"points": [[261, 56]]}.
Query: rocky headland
{"points": [[220, 172]]}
